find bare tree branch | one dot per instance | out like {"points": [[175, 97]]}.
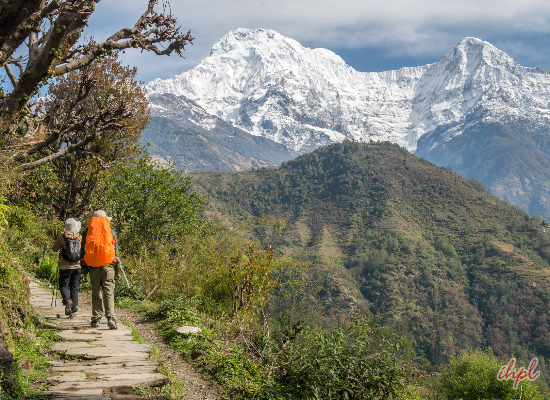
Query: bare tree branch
{"points": [[93, 156], [11, 75], [67, 150], [52, 51]]}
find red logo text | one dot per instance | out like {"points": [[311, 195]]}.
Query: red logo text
{"points": [[507, 372]]}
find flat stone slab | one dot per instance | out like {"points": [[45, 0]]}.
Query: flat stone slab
{"points": [[121, 331], [115, 357], [72, 396], [122, 344], [70, 377], [83, 335], [110, 369], [111, 351], [116, 360], [139, 380], [60, 346], [188, 329], [83, 393], [55, 363], [105, 344], [84, 366], [129, 376]]}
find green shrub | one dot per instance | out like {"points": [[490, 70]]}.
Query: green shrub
{"points": [[152, 203], [473, 376], [477, 185], [27, 340], [359, 362], [203, 268], [240, 377], [48, 270]]}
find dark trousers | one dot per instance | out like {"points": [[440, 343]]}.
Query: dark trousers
{"points": [[69, 284]]}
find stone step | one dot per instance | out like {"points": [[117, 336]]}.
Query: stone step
{"points": [[88, 394], [83, 335], [111, 351], [107, 344], [152, 379], [112, 369], [68, 377]]}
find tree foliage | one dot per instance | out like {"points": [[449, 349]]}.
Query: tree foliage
{"points": [[358, 362], [150, 202], [74, 176], [52, 29], [473, 376]]}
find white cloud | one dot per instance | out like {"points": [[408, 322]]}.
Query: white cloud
{"points": [[401, 27]]}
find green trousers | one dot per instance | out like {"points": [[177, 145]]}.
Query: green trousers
{"points": [[102, 280]]}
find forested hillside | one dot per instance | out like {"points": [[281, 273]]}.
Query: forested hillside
{"points": [[411, 242]]}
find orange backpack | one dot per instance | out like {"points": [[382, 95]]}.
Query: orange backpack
{"points": [[99, 248]]}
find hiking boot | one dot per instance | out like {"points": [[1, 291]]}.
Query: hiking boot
{"points": [[72, 315], [68, 307], [112, 323], [95, 323]]}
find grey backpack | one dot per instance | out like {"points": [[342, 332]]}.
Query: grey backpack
{"points": [[72, 250]]}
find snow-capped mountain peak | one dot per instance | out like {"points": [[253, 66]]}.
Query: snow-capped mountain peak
{"points": [[270, 85]]}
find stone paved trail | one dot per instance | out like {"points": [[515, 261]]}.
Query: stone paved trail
{"points": [[107, 363]]}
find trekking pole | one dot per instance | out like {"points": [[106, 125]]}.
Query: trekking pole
{"points": [[42, 262], [120, 261], [123, 273], [56, 276], [55, 285], [53, 297]]}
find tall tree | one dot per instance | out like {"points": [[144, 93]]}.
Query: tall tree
{"points": [[77, 173]]}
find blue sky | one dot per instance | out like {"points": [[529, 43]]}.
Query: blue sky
{"points": [[370, 35]]}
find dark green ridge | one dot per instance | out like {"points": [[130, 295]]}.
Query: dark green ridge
{"points": [[415, 244]]}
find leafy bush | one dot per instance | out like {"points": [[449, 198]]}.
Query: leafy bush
{"points": [[359, 362], [477, 185], [48, 270], [150, 202], [473, 376], [447, 248], [240, 376], [251, 278]]}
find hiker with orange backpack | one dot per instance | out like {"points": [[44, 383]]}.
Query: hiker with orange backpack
{"points": [[69, 265], [98, 259]]}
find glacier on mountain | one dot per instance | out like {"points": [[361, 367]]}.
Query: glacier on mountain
{"points": [[272, 86]]}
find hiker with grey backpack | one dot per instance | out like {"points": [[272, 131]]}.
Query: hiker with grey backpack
{"points": [[69, 265]]}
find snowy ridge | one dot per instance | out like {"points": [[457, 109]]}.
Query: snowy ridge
{"points": [[270, 85]]}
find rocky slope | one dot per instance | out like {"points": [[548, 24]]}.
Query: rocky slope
{"points": [[192, 117], [192, 152]]}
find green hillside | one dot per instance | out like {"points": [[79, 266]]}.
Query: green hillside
{"points": [[190, 151], [414, 243]]}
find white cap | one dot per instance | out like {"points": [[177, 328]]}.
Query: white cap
{"points": [[72, 225], [101, 213]]}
